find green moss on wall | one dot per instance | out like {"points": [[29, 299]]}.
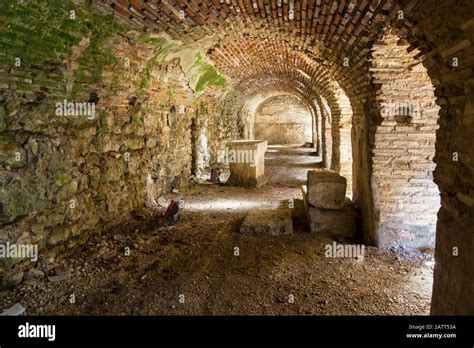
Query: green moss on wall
{"points": [[206, 75]]}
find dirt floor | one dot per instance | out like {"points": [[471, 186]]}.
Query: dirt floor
{"points": [[192, 268]]}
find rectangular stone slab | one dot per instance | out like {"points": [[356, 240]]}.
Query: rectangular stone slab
{"points": [[330, 223], [326, 189], [273, 222]]}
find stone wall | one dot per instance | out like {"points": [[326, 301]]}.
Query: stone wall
{"points": [[67, 175], [63, 176], [446, 31], [283, 120], [322, 108], [345, 134]]}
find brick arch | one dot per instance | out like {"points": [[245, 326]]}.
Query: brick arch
{"points": [[317, 41], [330, 31]]}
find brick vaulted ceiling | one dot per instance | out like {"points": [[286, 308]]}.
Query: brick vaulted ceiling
{"points": [[277, 45]]}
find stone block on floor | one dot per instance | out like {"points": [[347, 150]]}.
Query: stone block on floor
{"points": [[273, 222], [335, 224], [326, 189]]}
